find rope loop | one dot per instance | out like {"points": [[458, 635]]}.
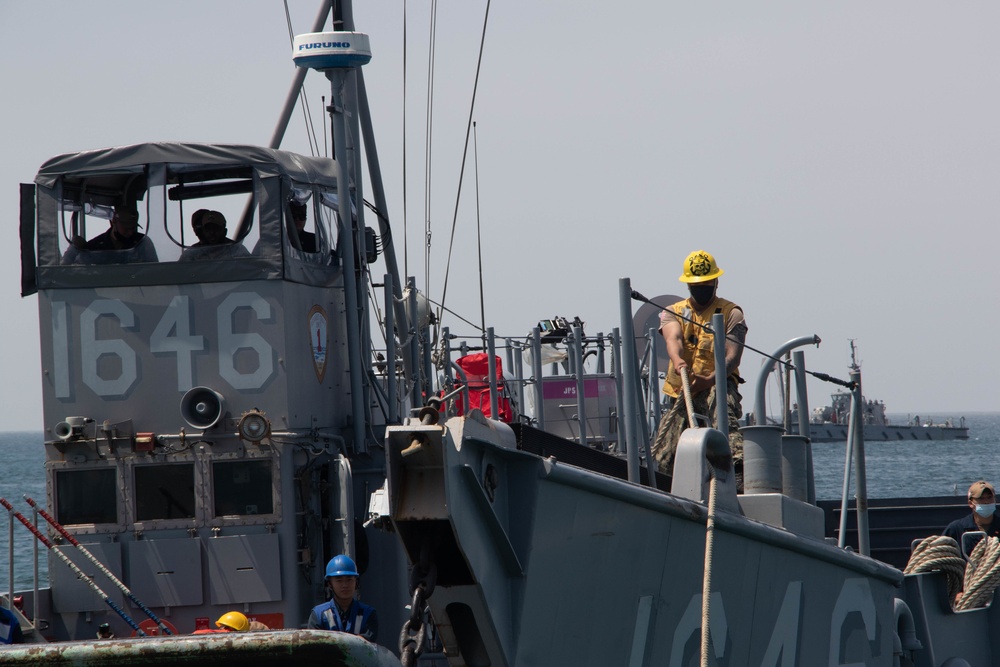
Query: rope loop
{"points": [[971, 584]]}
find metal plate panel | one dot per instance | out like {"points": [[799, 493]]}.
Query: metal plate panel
{"points": [[243, 568], [166, 573], [71, 594], [560, 407]]}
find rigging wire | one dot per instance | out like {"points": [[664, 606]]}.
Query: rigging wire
{"points": [[304, 100], [479, 234], [406, 254], [441, 307], [465, 153], [428, 138], [781, 362]]}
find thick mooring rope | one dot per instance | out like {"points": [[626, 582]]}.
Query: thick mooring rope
{"points": [[982, 574], [976, 581]]}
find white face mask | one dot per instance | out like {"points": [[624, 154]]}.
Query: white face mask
{"points": [[986, 510]]}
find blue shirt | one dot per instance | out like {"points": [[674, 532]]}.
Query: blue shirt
{"points": [[10, 628], [359, 619], [967, 524]]}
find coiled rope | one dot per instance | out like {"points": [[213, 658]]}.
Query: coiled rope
{"points": [[975, 580], [982, 574]]}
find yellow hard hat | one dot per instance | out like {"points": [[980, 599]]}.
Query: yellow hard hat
{"points": [[700, 267], [233, 620]]}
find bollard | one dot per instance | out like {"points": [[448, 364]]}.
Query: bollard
{"points": [[761, 459], [794, 473]]}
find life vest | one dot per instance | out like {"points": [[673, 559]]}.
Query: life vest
{"points": [[7, 621], [357, 617], [698, 350]]}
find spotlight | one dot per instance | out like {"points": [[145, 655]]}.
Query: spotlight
{"points": [[254, 426]]}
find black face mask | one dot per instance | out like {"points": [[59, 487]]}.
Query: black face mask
{"points": [[702, 294]]}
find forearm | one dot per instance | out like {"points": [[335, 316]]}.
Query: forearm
{"points": [[734, 348]]}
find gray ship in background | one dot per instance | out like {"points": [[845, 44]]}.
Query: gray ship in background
{"points": [[830, 423], [218, 425]]}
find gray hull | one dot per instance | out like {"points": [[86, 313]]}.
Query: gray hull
{"points": [[546, 559], [875, 433]]}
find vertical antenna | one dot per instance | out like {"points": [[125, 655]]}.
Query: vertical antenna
{"points": [[325, 145], [479, 235], [406, 255]]}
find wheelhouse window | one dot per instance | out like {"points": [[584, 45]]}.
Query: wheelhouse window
{"points": [[158, 213], [164, 492], [102, 219], [86, 496], [205, 213], [242, 487]]}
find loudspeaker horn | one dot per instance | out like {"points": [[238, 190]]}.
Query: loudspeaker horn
{"points": [[201, 407], [63, 431]]}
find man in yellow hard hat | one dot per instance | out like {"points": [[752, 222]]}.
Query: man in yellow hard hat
{"points": [[690, 345], [231, 621]]}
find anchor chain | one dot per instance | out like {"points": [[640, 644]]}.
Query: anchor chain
{"points": [[414, 632], [423, 577]]}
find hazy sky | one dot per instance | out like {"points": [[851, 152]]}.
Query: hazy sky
{"points": [[839, 159]]}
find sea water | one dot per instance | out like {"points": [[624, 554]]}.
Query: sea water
{"points": [[899, 469], [23, 475]]}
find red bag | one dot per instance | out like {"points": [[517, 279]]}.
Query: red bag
{"points": [[477, 372]]}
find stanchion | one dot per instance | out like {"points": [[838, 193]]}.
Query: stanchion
{"points": [[73, 566], [98, 564]]}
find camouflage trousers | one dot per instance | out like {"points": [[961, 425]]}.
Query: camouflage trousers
{"points": [[675, 420]]}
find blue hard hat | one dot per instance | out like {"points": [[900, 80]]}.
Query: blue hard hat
{"points": [[341, 566]]}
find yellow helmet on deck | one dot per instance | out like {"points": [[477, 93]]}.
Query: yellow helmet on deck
{"points": [[233, 620], [700, 267]]}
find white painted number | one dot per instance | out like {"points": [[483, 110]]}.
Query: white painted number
{"points": [[177, 319], [92, 349], [785, 636], [690, 626], [60, 348], [231, 342], [855, 596], [173, 334]]}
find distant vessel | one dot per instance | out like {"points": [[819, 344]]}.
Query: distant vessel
{"points": [[829, 424]]}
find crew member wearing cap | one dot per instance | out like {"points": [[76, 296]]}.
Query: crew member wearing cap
{"points": [[982, 501], [690, 345], [303, 240], [122, 235], [213, 243]]}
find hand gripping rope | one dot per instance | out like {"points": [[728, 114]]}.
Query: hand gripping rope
{"points": [[71, 565], [100, 566]]}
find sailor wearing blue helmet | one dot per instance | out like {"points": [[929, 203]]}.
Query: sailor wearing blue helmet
{"points": [[344, 612]]}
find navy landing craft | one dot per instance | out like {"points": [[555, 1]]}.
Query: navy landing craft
{"points": [[219, 422]]}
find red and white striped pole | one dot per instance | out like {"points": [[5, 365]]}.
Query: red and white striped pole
{"points": [[73, 566]]}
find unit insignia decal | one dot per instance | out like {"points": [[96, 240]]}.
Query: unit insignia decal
{"points": [[318, 340]]}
